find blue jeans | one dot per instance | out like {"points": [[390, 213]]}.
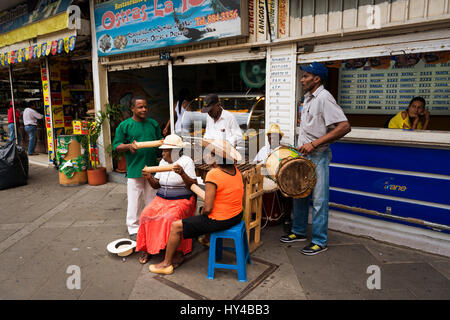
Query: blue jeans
{"points": [[319, 197], [12, 134], [31, 131]]}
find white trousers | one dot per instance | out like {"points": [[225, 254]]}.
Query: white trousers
{"points": [[138, 191]]}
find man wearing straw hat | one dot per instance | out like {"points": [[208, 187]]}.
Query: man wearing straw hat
{"points": [[137, 128], [274, 136], [322, 122], [224, 190]]}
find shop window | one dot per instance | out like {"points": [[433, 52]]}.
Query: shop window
{"points": [[373, 90]]}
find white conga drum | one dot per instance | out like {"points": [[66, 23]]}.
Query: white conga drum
{"points": [[293, 173]]}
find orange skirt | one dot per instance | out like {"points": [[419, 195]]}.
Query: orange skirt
{"points": [[155, 222]]}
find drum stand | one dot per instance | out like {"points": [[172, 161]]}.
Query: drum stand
{"points": [[253, 192]]}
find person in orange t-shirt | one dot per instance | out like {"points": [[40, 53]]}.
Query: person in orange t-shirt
{"points": [[224, 192]]}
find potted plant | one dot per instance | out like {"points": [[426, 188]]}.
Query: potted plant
{"points": [[114, 114], [96, 173]]}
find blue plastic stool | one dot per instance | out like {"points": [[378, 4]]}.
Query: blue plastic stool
{"points": [[239, 234]]}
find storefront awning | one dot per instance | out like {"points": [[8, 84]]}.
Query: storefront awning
{"points": [[53, 24], [29, 31], [62, 42]]}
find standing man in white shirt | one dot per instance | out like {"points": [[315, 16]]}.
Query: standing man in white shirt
{"points": [[30, 120], [220, 123], [322, 122]]}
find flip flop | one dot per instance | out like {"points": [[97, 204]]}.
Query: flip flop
{"points": [[144, 257], [166, 270]]}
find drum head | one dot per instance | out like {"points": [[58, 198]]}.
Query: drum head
{"points": [[296, 177], [269, 185], [274, 158]]}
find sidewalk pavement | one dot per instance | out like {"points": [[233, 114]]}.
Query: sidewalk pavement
{"points": [[46, 229]]}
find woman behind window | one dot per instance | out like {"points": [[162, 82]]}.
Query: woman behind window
{"points": [[415, 117]]}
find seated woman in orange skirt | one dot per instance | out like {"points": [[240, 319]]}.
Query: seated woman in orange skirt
{"points": [[174, 201], [224, 190]]}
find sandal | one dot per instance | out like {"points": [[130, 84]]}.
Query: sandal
{"points": [[144, 257], [204, 240]]}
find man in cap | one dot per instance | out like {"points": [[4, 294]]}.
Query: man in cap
{"points": [[322, 122], [220, 123]]}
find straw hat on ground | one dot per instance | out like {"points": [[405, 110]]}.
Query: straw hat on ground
{"points": [[275, 128], [122, 247], [173, 141], [224, 149]]}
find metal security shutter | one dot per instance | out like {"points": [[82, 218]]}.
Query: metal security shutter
{"points": [[437, 40]]}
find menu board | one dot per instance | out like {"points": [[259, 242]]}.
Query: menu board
{"points": [[279, 98], [369, 90]]}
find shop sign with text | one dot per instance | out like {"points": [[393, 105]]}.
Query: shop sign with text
{"points": [[132, 25]]}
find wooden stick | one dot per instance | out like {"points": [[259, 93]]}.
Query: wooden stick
{"points": [[158, 169], [148, 144], [198, 191]]}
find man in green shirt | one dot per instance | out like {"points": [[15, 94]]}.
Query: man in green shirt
{"points": [[137, 128]]}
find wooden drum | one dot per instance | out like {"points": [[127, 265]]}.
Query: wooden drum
{"points": [[293, 173]]}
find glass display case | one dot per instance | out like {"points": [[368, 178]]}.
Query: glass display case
{"points": [[248, 110]]}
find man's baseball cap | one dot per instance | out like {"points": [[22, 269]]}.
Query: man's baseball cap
{"points": [[317, 69], [209, 102]]}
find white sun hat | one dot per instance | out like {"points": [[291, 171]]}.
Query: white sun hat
{"points": [[122, 247], [172, 141], [223, 149]]}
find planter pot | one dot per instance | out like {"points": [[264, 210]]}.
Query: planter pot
{"points": [[97, 176], [122, 165]]}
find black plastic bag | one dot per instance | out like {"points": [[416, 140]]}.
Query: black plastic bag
{"points": [[13, 166]]}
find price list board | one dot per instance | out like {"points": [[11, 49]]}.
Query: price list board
{"points": [[280, 96], [367, 90]]}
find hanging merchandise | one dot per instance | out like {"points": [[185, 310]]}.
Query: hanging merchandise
{"points": [[60, 45], [43, 49], [66, 44], [12, 56], [38, 50], [49, 48], [54, 46], [72, 43], [2, 59]]}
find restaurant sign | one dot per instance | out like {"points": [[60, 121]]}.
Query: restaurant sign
{"points": [[132, 25]]}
